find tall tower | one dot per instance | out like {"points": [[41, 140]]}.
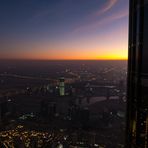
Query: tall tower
{"points": [[62, 86], [137, 92]]}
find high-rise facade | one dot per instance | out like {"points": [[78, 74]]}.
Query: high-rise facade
{"points": [[137, 102], [62, 86]]}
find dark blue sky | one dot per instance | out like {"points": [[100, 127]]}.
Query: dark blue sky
{"points": [[47, 27]]}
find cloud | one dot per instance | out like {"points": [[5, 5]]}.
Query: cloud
{"points": [[97, 22], [102, 22], [106, 7]]}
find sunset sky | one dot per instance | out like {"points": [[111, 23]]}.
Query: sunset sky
{"points": [[63, 29]]}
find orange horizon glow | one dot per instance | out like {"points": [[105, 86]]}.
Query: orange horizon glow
{"points": [[64, 59], [67, 56], [88, 56], [46, 59], [60, 52]]}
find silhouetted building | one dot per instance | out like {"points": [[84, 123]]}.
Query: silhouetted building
{"points": [[3, 109], [52, 109], [84, 117], [44, 108], [137, 104]]}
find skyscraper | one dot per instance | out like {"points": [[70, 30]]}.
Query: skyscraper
{"points": [[62, 87], [137, 104]]}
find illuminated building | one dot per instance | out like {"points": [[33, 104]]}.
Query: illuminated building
{"points": [[137, 103], [62, 87]]}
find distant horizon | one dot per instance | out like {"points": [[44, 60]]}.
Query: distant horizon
{"points": [[63, 59]]}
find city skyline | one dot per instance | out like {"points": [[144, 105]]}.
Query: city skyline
{"points": [[64, 30]]}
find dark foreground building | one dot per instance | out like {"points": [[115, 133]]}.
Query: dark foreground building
{"points": [[137, 108]]}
